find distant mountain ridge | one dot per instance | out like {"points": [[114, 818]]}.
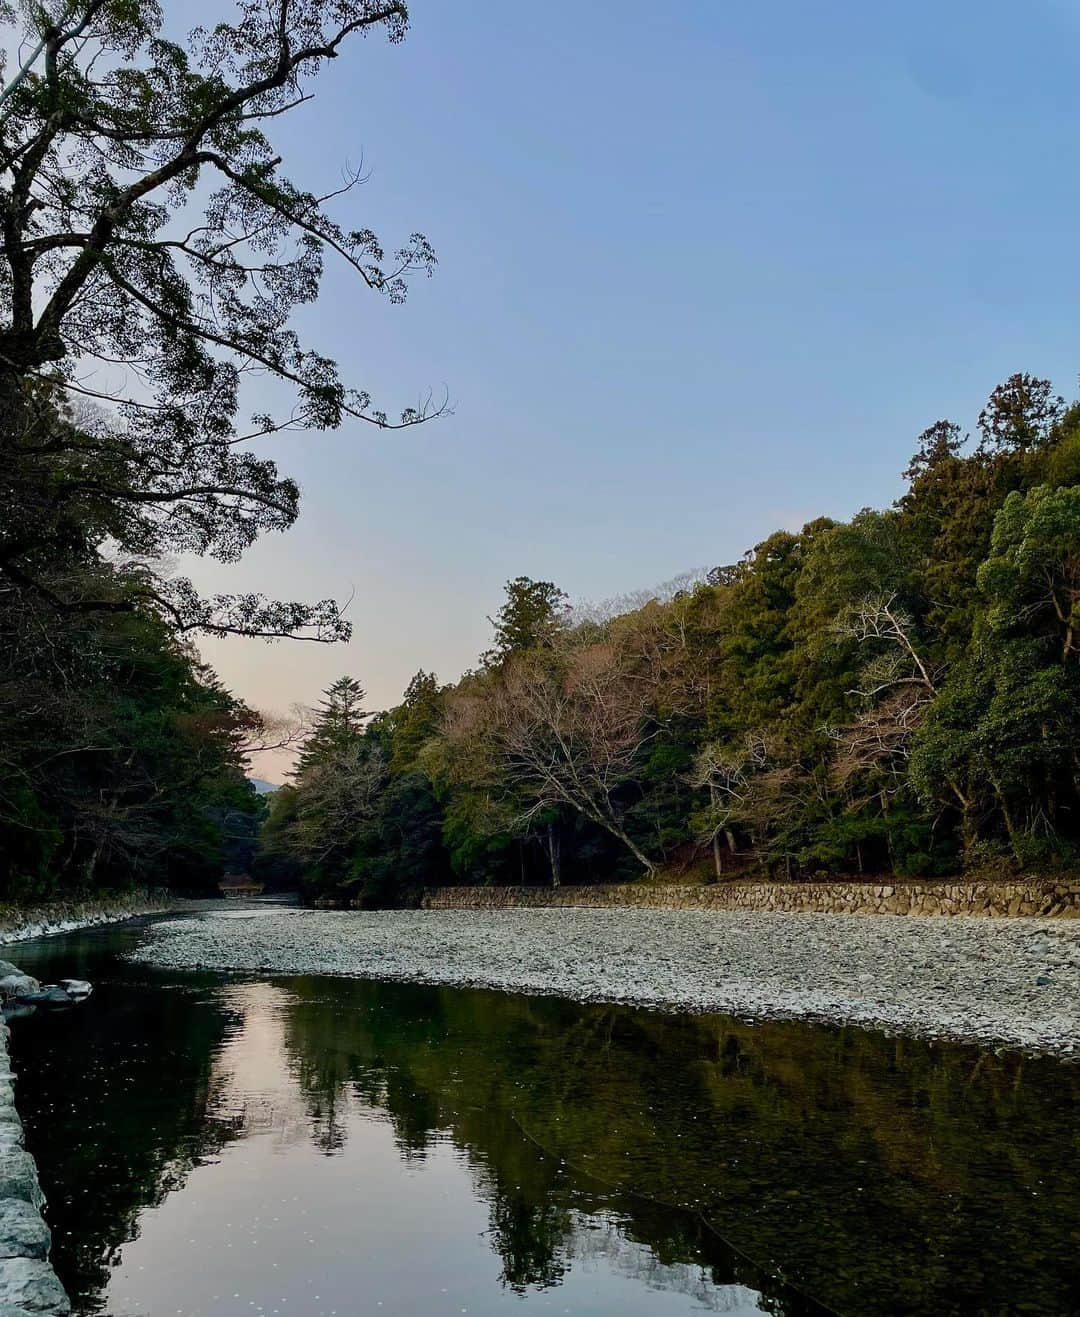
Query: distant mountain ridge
{"points": [[262, 787]]}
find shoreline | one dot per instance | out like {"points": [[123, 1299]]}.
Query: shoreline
{"points": [[996, 983], [28, 1282], [70, 916]]}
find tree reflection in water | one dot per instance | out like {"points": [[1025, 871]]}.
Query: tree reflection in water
{"points": [[878, 1175]]}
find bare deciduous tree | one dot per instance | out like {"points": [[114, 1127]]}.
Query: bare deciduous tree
{"points": [[566, 728], [897, 686], [757, 785], [727, 778], [337, 800], [277, 731]]}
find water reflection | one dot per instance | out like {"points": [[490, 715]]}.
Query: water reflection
{"points": [[322, 1146]]}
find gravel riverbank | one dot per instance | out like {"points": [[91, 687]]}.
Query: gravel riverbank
{"points": [[1009, 982]]}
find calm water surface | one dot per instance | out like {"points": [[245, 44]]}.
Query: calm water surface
{"points": [[228, 1146]]}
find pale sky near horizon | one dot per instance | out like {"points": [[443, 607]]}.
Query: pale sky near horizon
{"points": [[706, 269]]}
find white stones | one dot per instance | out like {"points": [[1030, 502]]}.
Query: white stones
{"points": [[28, 1285], [874, 970], [66, 917], [18, 1175], [32, 1285]]}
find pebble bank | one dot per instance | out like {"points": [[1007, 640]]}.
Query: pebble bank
{"points": [[1000, 982]]}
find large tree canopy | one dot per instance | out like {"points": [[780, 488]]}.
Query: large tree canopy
{"points": [[153, 254]]}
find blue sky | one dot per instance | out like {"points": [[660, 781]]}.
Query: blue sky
{"points": [[706, 269]]}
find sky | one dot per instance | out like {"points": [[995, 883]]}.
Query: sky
{"points": [[706, 270]]}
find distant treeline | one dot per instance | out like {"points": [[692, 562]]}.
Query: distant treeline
{"points": [[896, 693]]}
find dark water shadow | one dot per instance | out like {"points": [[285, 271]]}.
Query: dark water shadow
{"points": [[779, 1168]]}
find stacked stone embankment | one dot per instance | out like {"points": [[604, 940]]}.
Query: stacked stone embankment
{"points": [[29, 1287], [1015, 897], [20, 923]]}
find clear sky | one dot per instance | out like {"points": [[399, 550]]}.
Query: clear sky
{"points": [[706, 269]]}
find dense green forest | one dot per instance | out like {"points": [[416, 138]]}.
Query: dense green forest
{"points": [[893, 694], [152, 256], [898, 693]]}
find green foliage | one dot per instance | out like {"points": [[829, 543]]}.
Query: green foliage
{"points": [[404, 850], [895, 694], [999, 745], [121, 757], [155, 139], [415, 721], [122, 760], [1031, 579], [338, 724], [530, 618]]}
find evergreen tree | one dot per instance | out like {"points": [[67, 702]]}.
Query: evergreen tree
{"points": [[531, 617], [337, 726], [898, 693]]}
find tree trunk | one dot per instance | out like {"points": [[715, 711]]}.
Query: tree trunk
{"points": [[632, 846], [554, 855], [1006, 814], [91, 863], [884, 802], [968, 832], [717, 862]]}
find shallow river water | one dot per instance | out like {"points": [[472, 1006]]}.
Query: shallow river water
{"points": [[233, 1145]]}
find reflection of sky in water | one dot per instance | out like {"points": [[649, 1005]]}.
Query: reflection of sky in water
{"points": [[215, 1146], [278, 1225]]}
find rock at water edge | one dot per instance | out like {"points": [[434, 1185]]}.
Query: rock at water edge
{"points": [[23, 1233], [31, 1284], [18, 1176]]}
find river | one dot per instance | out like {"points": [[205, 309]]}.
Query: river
{"points": [[220, 1146]]}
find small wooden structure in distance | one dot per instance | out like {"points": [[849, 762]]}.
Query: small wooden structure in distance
{"points": [[238, 885]]}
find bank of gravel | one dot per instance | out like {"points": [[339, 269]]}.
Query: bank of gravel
{"points": [[1013, 983]]}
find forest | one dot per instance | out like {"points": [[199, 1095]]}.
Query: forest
{"points": [[153, 254], [895, 694]]}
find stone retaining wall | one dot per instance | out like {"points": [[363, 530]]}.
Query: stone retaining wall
{"points": [[19, 923], [29, 1286], [1022, 896]]}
